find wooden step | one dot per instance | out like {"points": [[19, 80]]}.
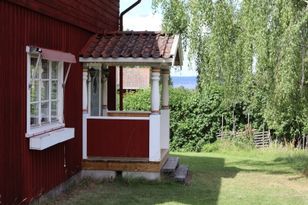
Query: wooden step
{"points": [[181, 173], [171, 165]]}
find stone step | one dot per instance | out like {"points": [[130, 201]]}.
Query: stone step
{"points": [[171, 165], [181, 173]]}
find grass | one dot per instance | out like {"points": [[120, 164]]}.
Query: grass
{"points": [[273, 176]]}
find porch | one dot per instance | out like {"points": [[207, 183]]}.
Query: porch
{"points": [[127, 140]]}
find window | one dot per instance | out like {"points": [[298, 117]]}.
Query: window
{"points": [[45, 95]]}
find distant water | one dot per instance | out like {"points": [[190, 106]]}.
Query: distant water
{"points": [[189, 82]]}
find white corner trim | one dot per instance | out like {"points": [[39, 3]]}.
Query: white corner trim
{"points": [[84, 136], [154, 141], [177, 47], [44, 141]]}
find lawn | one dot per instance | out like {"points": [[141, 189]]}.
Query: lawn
{"points": [[246, 177]]}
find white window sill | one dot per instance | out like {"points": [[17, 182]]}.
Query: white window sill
{"points": [[44, 129], [43, 141]]}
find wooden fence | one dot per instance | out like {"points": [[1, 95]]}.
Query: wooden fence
{"points": [[260, 139]]}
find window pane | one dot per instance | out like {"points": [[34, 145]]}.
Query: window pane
{"points": [[45, 112], [33, 64], [54, 111], [34, 114], [45, 69], [34, 91], [54, 90], [54, 70], [45, 90]]}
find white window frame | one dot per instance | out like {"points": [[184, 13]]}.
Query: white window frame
{"points": [[43, 129]]}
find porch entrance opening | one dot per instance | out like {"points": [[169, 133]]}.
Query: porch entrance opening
{"points": [[127, 140]]}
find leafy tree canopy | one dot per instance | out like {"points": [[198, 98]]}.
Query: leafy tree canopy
{"points": [[255, 50]]}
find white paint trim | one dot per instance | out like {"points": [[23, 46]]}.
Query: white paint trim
{"points": [[177, 48], [89, 93], [85, 115], [155, 95], [165, 89], [165, 128], [84, 90], [128, 61], [154, 141], [60, 92], [105, 95], [100, 111], [28, 90], [116, 118], [42, 129], [133, 112], [175, 45], [66, 75], [44, 141]]}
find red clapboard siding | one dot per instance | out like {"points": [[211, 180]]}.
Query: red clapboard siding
{"points": [[95, 15], [118, 138], [26, 174]]}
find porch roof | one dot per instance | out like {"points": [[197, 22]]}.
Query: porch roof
{"points": [[131, 48]]}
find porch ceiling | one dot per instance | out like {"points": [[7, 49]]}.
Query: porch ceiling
{"points": [[133, 49]]}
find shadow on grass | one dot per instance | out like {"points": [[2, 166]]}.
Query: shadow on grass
{"points": [[296, 162], [281, 165], [207, 175]]}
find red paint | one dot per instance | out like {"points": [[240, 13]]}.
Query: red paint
{"points": [[26, 174], [96, 16], [54, 55], [118, 138]]}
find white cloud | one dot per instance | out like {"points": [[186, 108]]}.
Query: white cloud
{"points": [[151, 22]]}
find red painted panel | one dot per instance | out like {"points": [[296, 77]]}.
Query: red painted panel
{"points": [[26, 174], [95, 15], [118, 138]]}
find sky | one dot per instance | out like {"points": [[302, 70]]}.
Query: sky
{"points": [[142, 18]]}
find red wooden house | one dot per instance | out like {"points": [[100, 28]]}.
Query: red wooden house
{"points": [[58, 95]]}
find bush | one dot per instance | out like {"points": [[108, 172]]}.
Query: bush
{"points": [[137, 101], [195, 117]]}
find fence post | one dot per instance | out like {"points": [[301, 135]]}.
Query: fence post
{"points": [[263, 137]]}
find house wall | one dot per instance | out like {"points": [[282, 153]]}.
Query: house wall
{"points": [[92, 15], [26, 174]]}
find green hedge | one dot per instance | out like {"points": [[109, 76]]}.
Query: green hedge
{"points": [[195, 117]]}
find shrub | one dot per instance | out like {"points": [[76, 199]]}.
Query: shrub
{"points": [[195, 117], [139, 100]]}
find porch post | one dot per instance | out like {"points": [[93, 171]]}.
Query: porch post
{"points": [[89, 94], [155, 97], [165, 112], [154, 141], [165, 88], [105, 92], [85, 113]]}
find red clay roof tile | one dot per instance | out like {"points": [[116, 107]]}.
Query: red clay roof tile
{"points": [[129, 44]]}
